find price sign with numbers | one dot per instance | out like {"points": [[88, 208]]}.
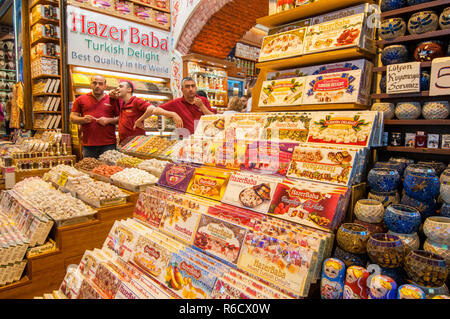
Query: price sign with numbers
{"points": [[62, 180], [440, 77]]}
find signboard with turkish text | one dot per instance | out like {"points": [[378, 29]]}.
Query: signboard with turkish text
{"points": [[101, 41], [440, 77], [403, 78]]}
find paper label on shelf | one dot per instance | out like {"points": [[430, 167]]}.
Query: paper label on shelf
{"points": [[440, 77], [403, 78]]}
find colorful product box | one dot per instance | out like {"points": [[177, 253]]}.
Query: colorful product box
{"points": [[286, 127], [209, 183], [283, 92], [176, 176], [219, 238], [211, 126], [180, 222], [244, 126], [282, 45]]}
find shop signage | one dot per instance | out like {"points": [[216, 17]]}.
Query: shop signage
{"points": [[105, 42], [403, 78], [440, 77]]}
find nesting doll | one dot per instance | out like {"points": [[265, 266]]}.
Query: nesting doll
{"points": [[356, 283], [382, 287], [333, 275]]}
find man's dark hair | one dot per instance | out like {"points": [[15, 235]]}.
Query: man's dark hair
{"points": [[202, 93], [188, 78], [130, 85]]}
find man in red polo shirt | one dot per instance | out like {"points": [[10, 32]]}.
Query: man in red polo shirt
{"points": [[190, 107], [132, 108], [97, 117]]}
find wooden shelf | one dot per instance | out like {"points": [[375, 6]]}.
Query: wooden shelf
{"points": [[45, 94], [313, 59], [43, 76], [404, 95], [53, 3], [417, 122], [418, 150], [47, 112], [150, 6], [415, 37], [307, 10], [415, 8], [45, 40], [426, 64], [44, 21]]}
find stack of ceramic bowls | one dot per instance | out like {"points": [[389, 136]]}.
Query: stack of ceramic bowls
{"points": [[404, 221], [369, 213], [437, 231], [445, 180], [351, 247], [421, 186]]}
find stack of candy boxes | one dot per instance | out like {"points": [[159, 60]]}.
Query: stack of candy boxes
{"points": [[381, 255]]}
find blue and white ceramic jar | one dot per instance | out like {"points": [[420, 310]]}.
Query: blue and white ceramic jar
{"points": [[420, 187], [393, 54], [383, 180], [423, 21], [444, 19], [425, 208], [402, 219], [392, 28], [388, 5]]}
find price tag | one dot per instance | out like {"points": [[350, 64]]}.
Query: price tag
{"points": [[403, 78], [62, 180], [169, 152], [153, 151], [440, 77]]}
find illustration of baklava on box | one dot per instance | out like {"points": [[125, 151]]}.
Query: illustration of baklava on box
{"points": [[282, 45], [282, 92]]}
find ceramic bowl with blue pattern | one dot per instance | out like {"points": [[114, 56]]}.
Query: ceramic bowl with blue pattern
{"points": [[429, 50], [402, 219], [420, 187], [383, 180], [399, 167], [382, 84], [393, 54], [423, 21], [425, 208], [388, 5], [424, 81], [444, 19], [392, 28]]}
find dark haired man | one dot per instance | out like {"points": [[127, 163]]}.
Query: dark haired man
{"points": [[132, 108], [97, 116], [189, 108]]}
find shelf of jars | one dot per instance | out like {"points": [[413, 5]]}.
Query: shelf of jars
{"points": [[405, 149], [443, 122], [428, 5]]}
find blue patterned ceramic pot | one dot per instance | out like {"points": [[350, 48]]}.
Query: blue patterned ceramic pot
{"points": [[393, 54], [388, 5], [424, 81], [399, 167], [420, 169], [444, 19], [423, 188], [423, 21], [438, 167], [429, 50], [426, 208], [386, 198], [445, 210], [383, 180], [382, 84], [392, 28], [402, 219]]}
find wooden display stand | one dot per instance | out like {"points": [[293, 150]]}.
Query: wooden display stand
{"points": [[46, 272]]}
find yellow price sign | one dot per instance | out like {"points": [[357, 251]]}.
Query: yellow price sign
{"points": [[153, 151], [169, 152], [62, 180]]}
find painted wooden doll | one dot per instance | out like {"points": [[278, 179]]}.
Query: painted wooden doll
{"points": [[382, 287], [333, 275], [356, 283]]}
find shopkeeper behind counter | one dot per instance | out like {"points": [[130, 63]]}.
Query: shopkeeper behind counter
{"points": [[132, 108], [97, 117], [189, 108]]}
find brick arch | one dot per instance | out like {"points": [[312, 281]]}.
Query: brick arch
{"points": [[216, 26]]}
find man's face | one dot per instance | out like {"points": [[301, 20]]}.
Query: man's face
{"points": [[189, 89], [98, 85], [123, 89], [244, 100]]}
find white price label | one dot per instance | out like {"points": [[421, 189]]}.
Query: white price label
{"points": [[440, 77], [403, 78]]}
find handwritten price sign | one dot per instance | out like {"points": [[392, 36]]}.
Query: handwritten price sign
{"points": [[440, 77]]}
